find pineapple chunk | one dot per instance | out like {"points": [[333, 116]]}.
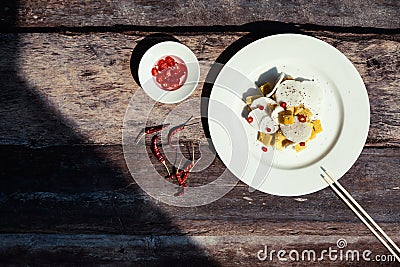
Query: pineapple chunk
{"points": [[286, 117], [305, 112], [299, 148], [250, 99], [281, 141], [313, 134], [266, 139], [265, 88], [316, 128], [272, 106], [291, 109], [298, 109]]}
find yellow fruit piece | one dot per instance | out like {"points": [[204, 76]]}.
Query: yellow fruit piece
{"points": [[316, 128], [265, 88], [291, 109], [272, 106], [305, 112], [286, 117], [298, 109], [250, 99], [281, 141], [313, 134], [266, 139], [299, 148]]}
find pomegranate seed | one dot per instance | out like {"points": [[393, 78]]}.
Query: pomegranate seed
{"points": [[154, 71], [168, 73], [264, 149], [183, 68], [160, 62], [175, 86], [170, 61], [302, 143], [165, 85], [163, 66], [261, 107], [283, 104], [302, 118], [269, 129], [160, 78], [250, 119]]}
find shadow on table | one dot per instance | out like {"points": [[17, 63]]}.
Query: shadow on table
{"points": [[63, 188], [141, 48]]}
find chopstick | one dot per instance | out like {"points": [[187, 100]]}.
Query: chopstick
{"points": [[353, 205]]}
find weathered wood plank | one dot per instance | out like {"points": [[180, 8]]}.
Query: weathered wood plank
{"points": [[76, 190], [60, 89], [158, 250], [28, 13]]}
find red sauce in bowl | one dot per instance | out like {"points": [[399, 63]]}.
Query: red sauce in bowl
{"points": [[169, 73]]}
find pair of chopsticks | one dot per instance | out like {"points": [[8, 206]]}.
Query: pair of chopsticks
{"points": [[361, 213]]}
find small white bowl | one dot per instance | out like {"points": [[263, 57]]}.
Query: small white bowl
{"points": [[150, 58]]}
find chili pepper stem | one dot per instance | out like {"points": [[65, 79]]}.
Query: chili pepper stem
{"points": [[193, 123], [166, 167], [140, 136]]}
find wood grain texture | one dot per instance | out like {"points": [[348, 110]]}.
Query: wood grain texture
{"points": [[66, 195], [127, 250], [74, 190], [54, 197], [60, 89], [371, 13]]}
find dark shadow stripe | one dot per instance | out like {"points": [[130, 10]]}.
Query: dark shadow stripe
{"points": [[257, 27]]}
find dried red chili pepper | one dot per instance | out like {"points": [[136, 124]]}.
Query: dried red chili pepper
{"points": [[157, 152], [181, 191], [186, 171], [154, 129], [177, 129], [150, 130], [184, 179]]}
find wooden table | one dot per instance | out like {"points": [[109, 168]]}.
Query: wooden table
{"points": [[66, 77]]}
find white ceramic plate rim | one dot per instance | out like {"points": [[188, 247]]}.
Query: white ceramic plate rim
{"points": [[355, 125], [163, 49]]}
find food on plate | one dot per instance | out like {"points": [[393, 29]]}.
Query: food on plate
{"points": [[289, 117], [169, 73]]}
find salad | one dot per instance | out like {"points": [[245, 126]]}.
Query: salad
{"points": [[286, 115]]}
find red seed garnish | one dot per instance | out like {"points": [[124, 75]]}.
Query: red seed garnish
{"points": [[165, 85], [163, 66], [250, 119], [264, 149], [261, 107], [268, 129], [170, 61], [183, 68], [175, 86], [170, 73], [160, 78], [283, 104], [160, 62], [302, 143], [302, 118]]}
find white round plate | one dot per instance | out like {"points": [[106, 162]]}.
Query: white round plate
{"points": [[344, 115], [150, 58]]}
